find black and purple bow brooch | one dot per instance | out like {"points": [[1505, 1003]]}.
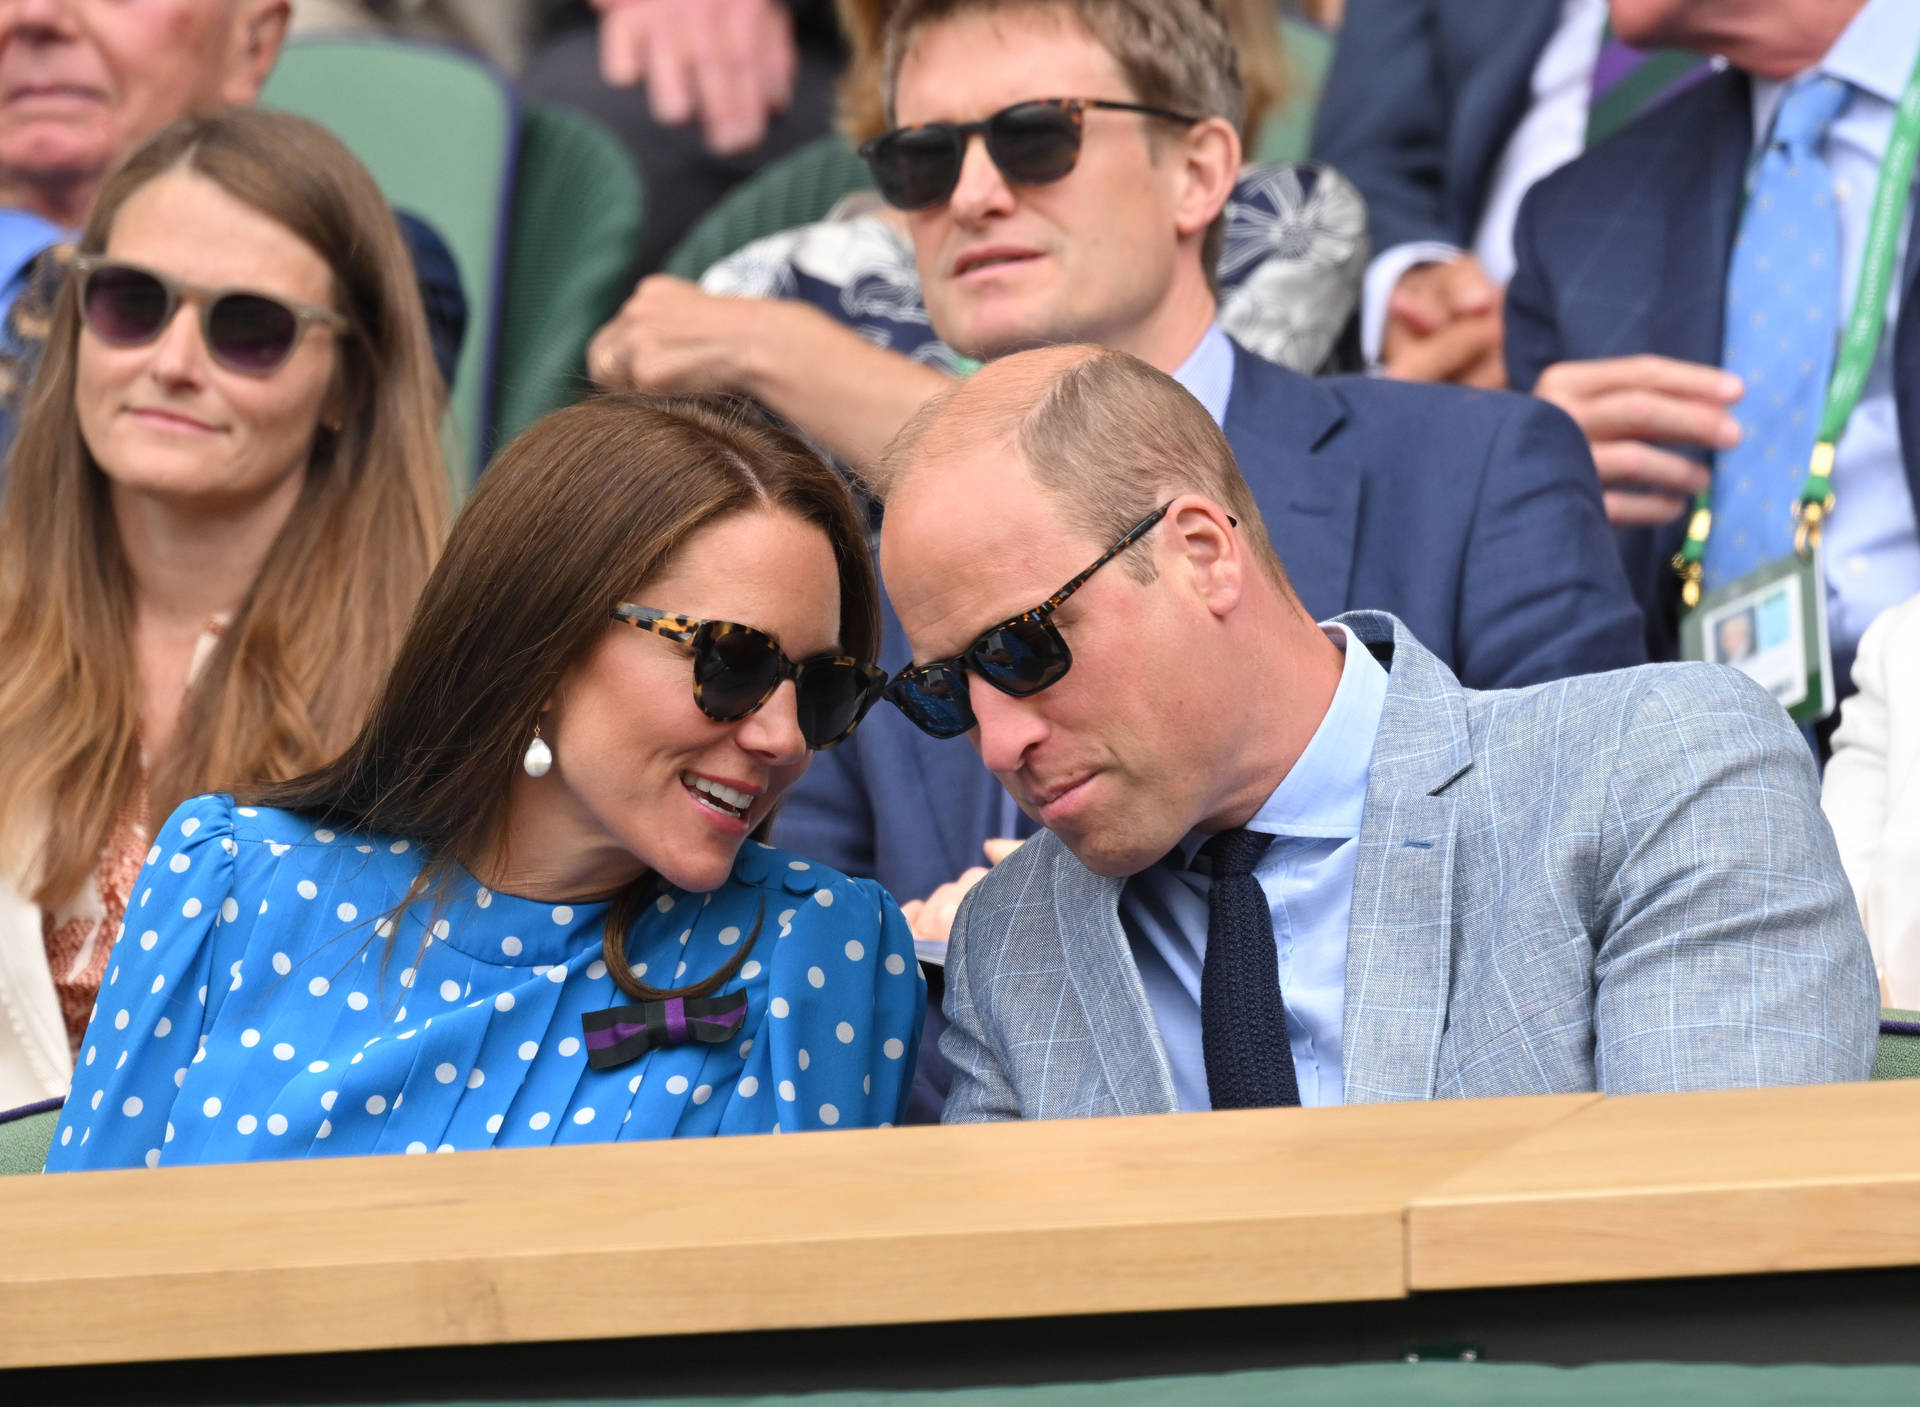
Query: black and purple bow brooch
{"points": [[623, 1033]]}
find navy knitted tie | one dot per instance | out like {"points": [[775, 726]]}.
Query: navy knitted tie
{"points": [[1243, 1025]]}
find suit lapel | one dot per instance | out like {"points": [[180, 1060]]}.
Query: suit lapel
{"points": [[1106, 983], [1697, 238], [1279, 424], [1400, 934]]}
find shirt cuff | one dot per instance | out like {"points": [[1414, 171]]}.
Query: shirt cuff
{"points": [[1382, 274]]}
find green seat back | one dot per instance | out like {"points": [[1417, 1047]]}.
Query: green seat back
{"points": [[796, 190], [1287, 130], [578, 207], [1898, 1057], [437, 130], [24, 1142]]}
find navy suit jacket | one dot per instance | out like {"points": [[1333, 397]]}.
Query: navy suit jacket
{"points": [[1420, 100], [1626, 251], [1473, 515]]}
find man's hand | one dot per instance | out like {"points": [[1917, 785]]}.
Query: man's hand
{"points": [[1443, 324], [729, 62], [931, 918], [670, 337], [1628, 407]]}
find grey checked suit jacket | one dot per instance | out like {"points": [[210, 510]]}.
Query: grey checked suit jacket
{"points": [[1619, 882]]}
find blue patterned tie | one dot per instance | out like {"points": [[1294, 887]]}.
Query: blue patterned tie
{"points": [[1243, 1024], [1783, 319]]}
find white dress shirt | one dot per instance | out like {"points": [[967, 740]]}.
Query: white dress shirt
{"points": [[1553, 132]]}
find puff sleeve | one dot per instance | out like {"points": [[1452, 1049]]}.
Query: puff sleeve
{"points": [[153, 1005]]}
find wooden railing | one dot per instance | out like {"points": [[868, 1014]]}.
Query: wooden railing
{"points": [[905, 1225]]}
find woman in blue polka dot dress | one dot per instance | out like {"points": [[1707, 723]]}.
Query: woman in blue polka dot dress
{"points": [[526, 906]]}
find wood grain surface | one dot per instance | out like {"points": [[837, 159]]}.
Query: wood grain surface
{"points": [[887, 1226], [1730, 1183]]}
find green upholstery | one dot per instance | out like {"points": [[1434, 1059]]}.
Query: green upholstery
{"points": [[1899, 1056], [578, 206], [1443, 1384], [24, 1142], [1288, 129], [437, 129], [796, 190]]}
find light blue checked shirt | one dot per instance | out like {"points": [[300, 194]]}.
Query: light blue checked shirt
{"points": [[1307, 874], [1872, 545]]}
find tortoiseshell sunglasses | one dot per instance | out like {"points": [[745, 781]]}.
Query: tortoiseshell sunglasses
{"points": [[736, 669], [1032, 143], [1019, 657]]}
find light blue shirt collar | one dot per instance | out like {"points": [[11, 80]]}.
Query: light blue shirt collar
{"points": [[23, 235], [1875, 53], [1207, 373], [1307, 878], [1324, 794]]}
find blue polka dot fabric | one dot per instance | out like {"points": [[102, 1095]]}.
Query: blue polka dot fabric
{"points": [[261, 1003]]}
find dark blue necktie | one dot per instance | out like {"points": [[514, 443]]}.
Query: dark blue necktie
{"points": [[1243, 1025]]}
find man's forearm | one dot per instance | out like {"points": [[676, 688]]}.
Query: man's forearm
{"points": [[830, 382]]}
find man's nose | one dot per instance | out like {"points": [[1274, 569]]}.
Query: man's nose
{"points": [[982, 190], [1005, 729]]}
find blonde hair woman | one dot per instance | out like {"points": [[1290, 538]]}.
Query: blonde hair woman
{"points": [[225, 495]]}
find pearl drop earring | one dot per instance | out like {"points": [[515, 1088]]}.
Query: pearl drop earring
{"points": [[539, 757]]}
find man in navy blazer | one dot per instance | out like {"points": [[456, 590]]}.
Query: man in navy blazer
{"points": [[1443, 113], [1473, 516], [1616, 311], [1421, 101]]}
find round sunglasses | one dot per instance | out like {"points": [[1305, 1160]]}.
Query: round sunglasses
{"points": [[736, 669], [125, 305], [1032, 143], [1019, 657]]}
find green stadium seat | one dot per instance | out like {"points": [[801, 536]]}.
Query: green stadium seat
{"points": [[1898, 1057], [437, 128], [25, 1138], [578, 209], [1287, 130], [796, 190]]}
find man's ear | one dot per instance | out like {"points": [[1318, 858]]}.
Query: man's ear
{"points": [[1207, 551], [1210, 155], [253, 47]]}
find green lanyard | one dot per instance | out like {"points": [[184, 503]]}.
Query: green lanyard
{"points": [[1854, 359]]}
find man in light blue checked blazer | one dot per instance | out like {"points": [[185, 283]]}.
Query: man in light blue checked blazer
{"points": [[1296, 862]]}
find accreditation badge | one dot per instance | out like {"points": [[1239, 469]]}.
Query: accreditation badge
{"points": [[1771, 625]]}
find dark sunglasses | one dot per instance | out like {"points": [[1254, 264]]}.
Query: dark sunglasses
{"points": [[1020, 657], [736, 669], [1031, 142], [252, 333]]}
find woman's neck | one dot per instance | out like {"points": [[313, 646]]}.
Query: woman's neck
{"points": [[189, 564], [551, 853], [188, 568]]}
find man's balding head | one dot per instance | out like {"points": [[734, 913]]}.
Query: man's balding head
{"points": [[1196, 675], [1103, 435], [85, 82]]}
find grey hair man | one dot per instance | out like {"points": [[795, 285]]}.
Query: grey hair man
{"points": [[1290, 861]]}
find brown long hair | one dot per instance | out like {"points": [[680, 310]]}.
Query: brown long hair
{"points": [[295, 668], [575, 516]]}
